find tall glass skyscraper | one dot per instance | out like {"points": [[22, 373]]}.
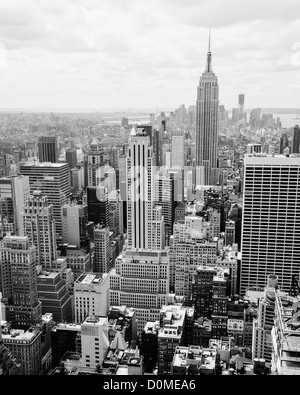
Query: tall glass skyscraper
{"points": [[271, 220], [207, 125]]}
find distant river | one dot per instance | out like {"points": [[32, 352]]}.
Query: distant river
{"points": [[288, 120]]}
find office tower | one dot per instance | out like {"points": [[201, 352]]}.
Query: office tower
{"points": [[102, 262], [140, 279], [296, 140], [229, 233], [54, 296], [144, 220], [284, 143], [270, 223], [71, 158], [95, 164], [91, 295], [76, 229], [255, 117], [164, 197], [26, 348], [157, 148], [94, 341], [214, 218], [47, 147], [19, 281], [189, 250], [123, 186], [241, 105], [98, 205], [152, 119], [285, 336], [235, 322], [219, 314], [116, 205], [14, 192], [64, 338], [125, 123], [178, 149], [53, 180], [79, 261], [207, 123], [39, 226], [202, 291]]}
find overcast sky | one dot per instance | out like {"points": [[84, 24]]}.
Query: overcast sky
{"points": [[147, 53]]}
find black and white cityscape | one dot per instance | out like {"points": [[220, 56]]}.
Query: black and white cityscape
{"points": [[149, 188]]}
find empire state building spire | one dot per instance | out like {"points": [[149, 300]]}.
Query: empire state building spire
{"points": [[208, 66]]}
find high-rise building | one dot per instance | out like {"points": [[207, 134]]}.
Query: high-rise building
{"points": [[39, 226], [76, 229], [296, 140], [95, 164], [140, 279], [53, 180], [241, 105], [102, 262], [54, 296], [19, 281], [94, 341], [91, 296], [71, 157], [178, 149], [164, 197], [14, 192], [26, 348], [270, 223], [47, 147], [98, 205], [207, 124], [145, 228]]}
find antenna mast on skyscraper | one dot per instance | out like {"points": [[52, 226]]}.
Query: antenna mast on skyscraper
{"points": [[209, 40]]}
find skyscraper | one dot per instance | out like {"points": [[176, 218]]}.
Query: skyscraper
{"points": [[47, 148], [19, 281], [39, 226], [207, 124], [296, 140], [14, 192], [270, 224], [145, 228], [71, 157], [53, 180], [95, 164], [76, 229], [178, 149], [98, 205], [241, 105]]}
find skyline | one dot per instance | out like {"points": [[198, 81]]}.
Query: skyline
{"points": [[58, 55]]}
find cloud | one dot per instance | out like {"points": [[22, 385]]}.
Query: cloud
{"points": [[146, 52]]}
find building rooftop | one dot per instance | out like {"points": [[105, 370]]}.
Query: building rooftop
{"points": [[19, 335], [44, 164], [201, 358], [90, 278]]}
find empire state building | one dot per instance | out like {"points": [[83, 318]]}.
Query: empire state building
{"points": [[207, 125]]}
